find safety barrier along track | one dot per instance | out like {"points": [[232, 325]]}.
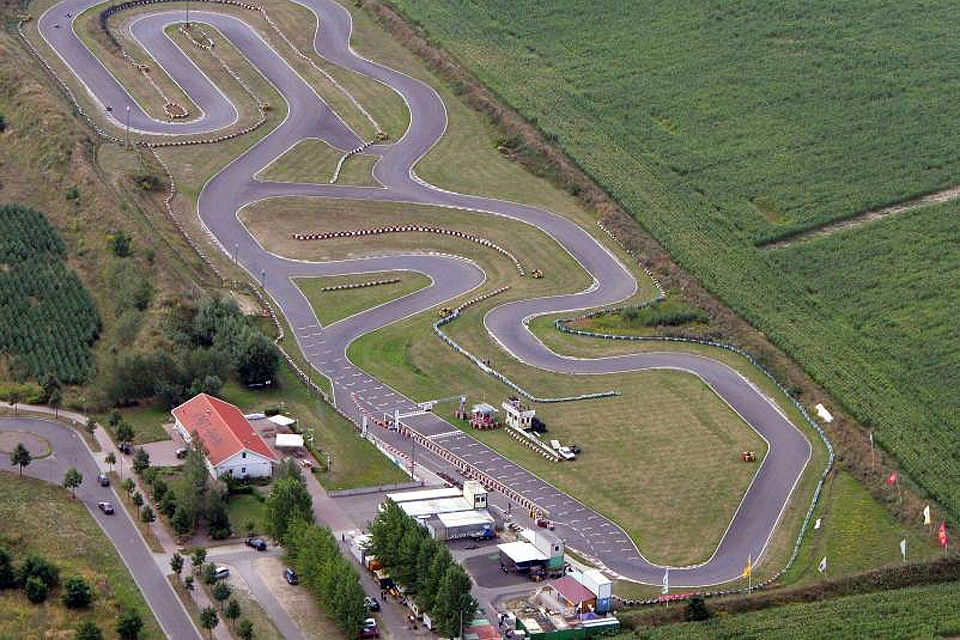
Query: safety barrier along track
{"points": [[325, 347]]}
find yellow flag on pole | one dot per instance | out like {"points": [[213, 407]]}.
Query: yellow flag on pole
{"points": [[748, 570], [926, 515]]}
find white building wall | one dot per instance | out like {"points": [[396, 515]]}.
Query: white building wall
{"points": [[253, 465]]}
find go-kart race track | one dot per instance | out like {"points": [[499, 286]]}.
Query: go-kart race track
{"points": [[233, 188]]}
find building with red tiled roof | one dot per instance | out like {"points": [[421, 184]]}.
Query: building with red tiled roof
{"points": [[573, 595], [233, 448]]}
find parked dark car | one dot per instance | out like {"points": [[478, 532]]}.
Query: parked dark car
{"points": [[106, 507], [103, 480], [181, 453], [125, 448], [257, 543], [575, 449], [291, 576], [371, 604]]}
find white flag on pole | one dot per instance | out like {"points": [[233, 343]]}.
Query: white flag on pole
{"points": [[666, 581], [903, 549], [926, 515], [871, 438], [816, 525], [823, 565]]}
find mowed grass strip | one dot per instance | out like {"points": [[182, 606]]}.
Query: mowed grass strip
{"points": [[331, 306], [42, 519], [314, 161]]}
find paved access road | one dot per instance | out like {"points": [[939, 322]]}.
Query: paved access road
{"points": [[69, 450], [309, 117]]}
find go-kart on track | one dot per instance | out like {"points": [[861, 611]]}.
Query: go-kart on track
{"points": [[309, 117]]}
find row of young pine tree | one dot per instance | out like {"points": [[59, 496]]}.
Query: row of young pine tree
{"points": [[425, 568]]}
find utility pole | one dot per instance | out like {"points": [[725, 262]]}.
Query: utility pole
{"points": [[187, 24], [235, 248], [128, 126]]}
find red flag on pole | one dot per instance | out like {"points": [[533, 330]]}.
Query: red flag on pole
{"points": [[892, 478], [942, 534]]}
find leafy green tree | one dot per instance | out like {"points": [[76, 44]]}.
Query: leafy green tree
{"points": [[77, 593], [88, 630], [259, 360], [218, 518], [245, 630], [181, 522], [348, 602], [138, 499], [176, 563], [129, 625], [387, 530], [71, 480], [221, 593], [288, 468], [442, 560], [14, 398], [35, 589], [209, 573], [128, 486], [141, 461], [233, 611], [197, 558], [209, 619], [188, 583], [454, 603], [20, 457], [428, 550], [91, 426], [55, 400], [288, 502], [111, 459], [147, 515], [123, 432], [8, 575], [408, 554]]}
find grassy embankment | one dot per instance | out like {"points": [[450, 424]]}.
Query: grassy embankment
{"points": [[43, 519], [684, 170], [314, 161]]}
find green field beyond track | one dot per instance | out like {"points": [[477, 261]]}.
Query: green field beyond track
{"points": [[722, 125], [919, 612]]}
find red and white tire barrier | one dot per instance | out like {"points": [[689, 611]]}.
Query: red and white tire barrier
{"points": [[411, 228], [361, 285]]}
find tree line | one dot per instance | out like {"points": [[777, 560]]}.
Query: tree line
{"points": [[425, 568]]}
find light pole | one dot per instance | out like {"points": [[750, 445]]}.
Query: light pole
{"points": [[235, 248], [187, 23], [128, 126]]}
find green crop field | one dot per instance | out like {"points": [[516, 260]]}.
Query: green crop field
{"points": [[919, 612], [48, 321], [724, 125]]}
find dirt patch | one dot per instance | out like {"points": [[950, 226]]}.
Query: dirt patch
{"points": [[296, 601]]}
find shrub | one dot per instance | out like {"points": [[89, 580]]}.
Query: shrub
{"points": [[77, 594], [697, 609], [36, 589], [37, 567], [129, 625], [88, 630], [120, 244], [146, 514]]}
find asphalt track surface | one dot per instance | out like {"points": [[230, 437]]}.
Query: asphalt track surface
{"points": [[69, 450], [234, 187]]}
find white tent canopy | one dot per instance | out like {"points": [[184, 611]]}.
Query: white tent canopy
{"points": [[289, 440], [282, 421]]}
